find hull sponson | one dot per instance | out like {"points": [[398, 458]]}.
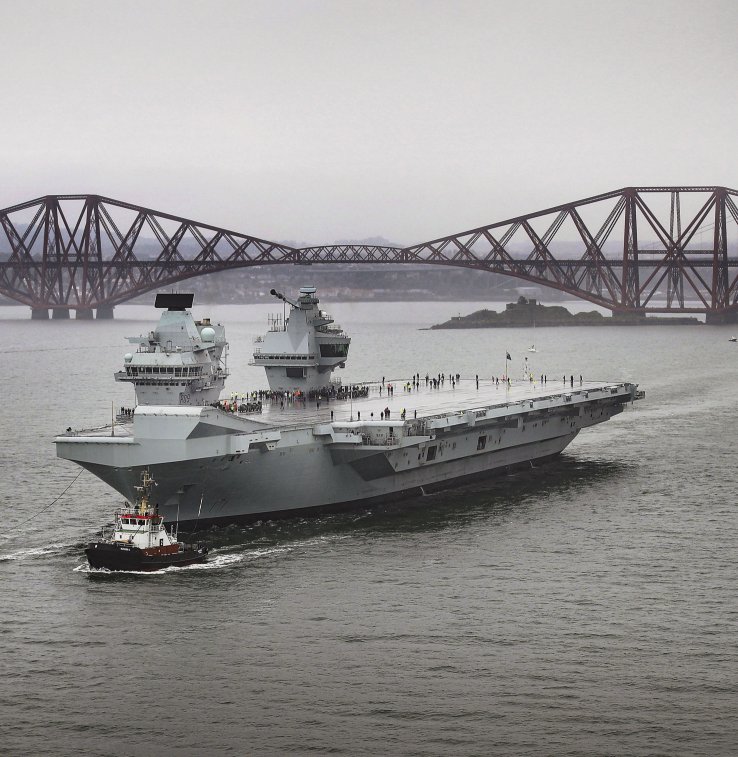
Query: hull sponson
{"points": [[244, 469], [347, 505], [232, 489]]}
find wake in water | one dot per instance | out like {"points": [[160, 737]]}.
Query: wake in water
{"points": [[214, 562], [233, 545], [223, 557], [48, 549]]}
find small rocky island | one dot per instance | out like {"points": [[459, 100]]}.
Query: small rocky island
{"points": [[528, 312]]}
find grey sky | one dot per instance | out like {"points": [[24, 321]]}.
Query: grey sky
{"points": [[315, 121]]}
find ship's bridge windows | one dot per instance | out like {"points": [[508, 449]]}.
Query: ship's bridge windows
{"points": [[334, 350], [160, 369], [283, 356]]}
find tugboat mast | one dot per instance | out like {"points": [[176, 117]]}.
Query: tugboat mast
{"points": [[144, 490]]}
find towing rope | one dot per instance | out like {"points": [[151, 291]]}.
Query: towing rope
{"points": [[51, 504]]}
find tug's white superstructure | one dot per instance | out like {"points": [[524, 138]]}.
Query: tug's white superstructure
{"points": [[304, 453]]}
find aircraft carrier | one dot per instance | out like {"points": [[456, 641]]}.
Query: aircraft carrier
{"points": [[308, 442]]}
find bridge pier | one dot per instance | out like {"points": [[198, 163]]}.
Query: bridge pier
{"points": [[726, 316], [81, 314]]}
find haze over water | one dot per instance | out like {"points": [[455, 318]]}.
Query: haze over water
{"points": [[582, 607]]}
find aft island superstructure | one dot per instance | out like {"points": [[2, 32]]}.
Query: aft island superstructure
{"points": [[309, 451], [300, 352]]}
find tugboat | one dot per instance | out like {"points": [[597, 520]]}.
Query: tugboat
{"points": [[139, 540]]}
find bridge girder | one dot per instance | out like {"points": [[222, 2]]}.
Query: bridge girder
{"points": [[87, 251]]}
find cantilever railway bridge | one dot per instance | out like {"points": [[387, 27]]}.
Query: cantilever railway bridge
{"points": [[636, 250]]}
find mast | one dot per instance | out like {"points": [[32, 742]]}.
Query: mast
{"points": [[147, 484]]}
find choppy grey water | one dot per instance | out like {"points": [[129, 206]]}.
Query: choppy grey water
{"points": [[586, 607]]}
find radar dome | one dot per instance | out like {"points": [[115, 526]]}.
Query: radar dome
{"points": [[128, 357], [208, 334]]}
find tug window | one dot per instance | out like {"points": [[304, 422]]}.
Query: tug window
{"points": [[481, 442], [430, 454]]}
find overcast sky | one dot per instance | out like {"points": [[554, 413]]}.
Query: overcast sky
{"points": [[315, 121]]}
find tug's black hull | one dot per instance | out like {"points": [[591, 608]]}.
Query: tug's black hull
{"points": [[125, 557]]}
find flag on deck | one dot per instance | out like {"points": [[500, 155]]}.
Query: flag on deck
{"points": [[508, 356]]}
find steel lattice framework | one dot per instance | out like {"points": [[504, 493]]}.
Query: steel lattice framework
{"points": [[636, 250]]}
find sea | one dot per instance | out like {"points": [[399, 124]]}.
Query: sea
{"points": [[582, 607]]}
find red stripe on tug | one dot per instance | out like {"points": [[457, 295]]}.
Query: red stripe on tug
{"points": [[169, 549]]}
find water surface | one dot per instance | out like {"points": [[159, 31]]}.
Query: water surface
{"points": [[583, 607]]}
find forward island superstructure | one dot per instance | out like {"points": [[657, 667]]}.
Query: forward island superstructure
{"points": [[181, 362], [304, 452]]}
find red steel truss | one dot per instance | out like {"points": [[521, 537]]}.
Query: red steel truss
{"points": [[635, 250]]}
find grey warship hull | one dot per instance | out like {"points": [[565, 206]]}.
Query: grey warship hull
{"points": [[220, 467]]}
